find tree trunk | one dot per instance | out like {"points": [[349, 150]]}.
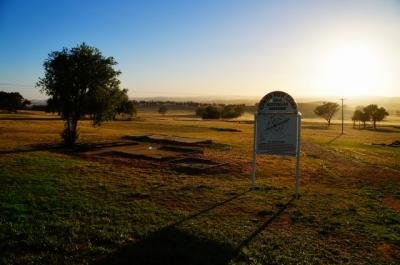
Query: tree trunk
{"points": [[329, 122], [70, 134], [374, 124]]}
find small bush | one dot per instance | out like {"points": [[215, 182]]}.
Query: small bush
{"points": [[199, 111], [211, 112], [232, 111], [162, 110]]}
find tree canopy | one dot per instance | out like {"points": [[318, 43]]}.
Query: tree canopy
{"points": [[375, 113], [209, 112], [12, 101], [327, 110], [81, 81], [360, 116], [370, 113]]}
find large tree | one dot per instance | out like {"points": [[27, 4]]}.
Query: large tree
{"points": [[81, 81], [327, 110], [12, 101], [375, 113]]}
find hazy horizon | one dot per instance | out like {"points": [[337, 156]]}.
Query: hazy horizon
{"points": [[391, 103], [310, 49]]}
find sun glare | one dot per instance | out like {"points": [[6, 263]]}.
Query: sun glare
{"points": [[353, 70]]}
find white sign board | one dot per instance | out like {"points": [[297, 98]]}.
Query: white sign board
{"points": [[276, 134], [277, 125], [277, 102]]}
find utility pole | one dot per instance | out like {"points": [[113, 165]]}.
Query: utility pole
{"points": [[342, 114]]}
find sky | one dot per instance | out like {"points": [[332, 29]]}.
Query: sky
{"points": [[212, 48]]}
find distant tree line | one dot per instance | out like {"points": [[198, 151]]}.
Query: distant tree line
{"points": [[369, 113], [12, 101], [157, 103]]}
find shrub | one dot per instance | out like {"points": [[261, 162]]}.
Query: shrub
{"points": [[232, 111], [211, 112]]}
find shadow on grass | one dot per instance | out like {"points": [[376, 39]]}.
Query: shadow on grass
{"points": [[256, 232], [315, 127], [210, 208], [80, 147], [29, 119], [334, 139], [172, 245], [34, 148], [386, 130]]}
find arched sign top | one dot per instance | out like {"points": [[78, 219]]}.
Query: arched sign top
{"points": [[277, 102]]}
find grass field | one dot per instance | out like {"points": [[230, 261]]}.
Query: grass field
{"points": [[57, 207]]}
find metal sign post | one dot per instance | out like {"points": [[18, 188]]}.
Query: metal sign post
{"points": [[277, 131], [253, 175]]}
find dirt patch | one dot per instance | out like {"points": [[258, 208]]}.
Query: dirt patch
{"points": [[388, 251], [392, 203]]}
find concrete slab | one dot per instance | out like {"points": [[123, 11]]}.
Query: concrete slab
{"points": [[149, 151], [196, 165], [167, 139]]}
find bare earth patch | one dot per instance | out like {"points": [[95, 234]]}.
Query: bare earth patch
{"points": [[388, 251], [392, 203]]}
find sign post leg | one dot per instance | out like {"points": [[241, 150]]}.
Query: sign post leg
{"points": [[253, 174], [297, 191]]}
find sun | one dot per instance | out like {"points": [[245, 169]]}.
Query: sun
{"points": [[355, 69]]}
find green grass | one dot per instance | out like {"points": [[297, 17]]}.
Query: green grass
{"points": [[57, 208]]}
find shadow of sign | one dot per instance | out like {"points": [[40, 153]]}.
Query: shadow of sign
{"points": [[256, 232], [172, 246], [334, 139], [59, 147]]}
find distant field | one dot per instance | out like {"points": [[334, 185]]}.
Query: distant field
{"points": [[57, 207]]}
